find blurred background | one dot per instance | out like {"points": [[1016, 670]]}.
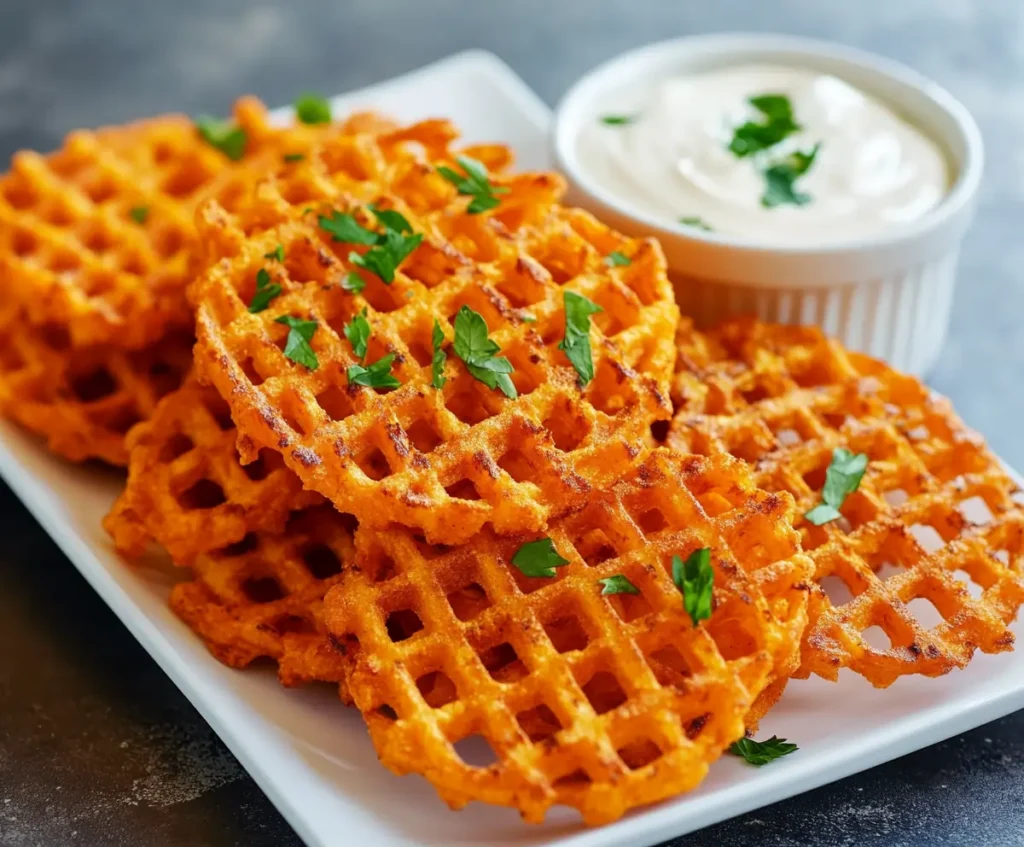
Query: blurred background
{"points": [[96, 745]]}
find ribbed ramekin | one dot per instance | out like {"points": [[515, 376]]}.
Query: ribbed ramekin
{"points": [[889, 295]]}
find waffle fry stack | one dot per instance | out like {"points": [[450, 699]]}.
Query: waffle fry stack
{"points": [[410, 453], [936, 518]]}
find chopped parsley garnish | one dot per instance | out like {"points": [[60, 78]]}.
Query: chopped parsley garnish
{"points": [[781, 177], [527, 318], [618, 120], [695, 579], [296, 346], [437, 377], [294, 157], [353, 283], [842, 478], [377, 375], [474, 184], [388, 249], [277, 253], [778, 123], [390, 219], [139, 214], [538, 558], [477, 351], [344, 227], [615, 259], [696, 223], [617, 584], [357, 331], [223, 135], [312, 109], [265, 292], [762, 752], [384, 258], [576, 343]]}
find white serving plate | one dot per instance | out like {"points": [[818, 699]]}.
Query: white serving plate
{"points": [[313, 757]]}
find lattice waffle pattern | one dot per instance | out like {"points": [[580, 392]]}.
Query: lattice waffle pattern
{"points": [[597, 702], [262, 597], [72, 252], [83, 401], [930, 546], [443, 461], [186, 487]]}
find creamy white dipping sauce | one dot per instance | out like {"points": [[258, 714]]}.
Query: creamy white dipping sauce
{"points": [[670, 156]]}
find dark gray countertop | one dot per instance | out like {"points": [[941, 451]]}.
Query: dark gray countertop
{"points": [[97, 747]]}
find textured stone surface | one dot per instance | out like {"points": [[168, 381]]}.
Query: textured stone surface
{"points": [[96, 746]]}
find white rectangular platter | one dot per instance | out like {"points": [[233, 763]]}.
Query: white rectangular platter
{"points": [[312, 756]]}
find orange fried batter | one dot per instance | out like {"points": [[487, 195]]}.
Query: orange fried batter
{"points": [[601, 702], [83, 401], [444, 461], [186, 487], [935, 515], [262, 597], [99, 237]]}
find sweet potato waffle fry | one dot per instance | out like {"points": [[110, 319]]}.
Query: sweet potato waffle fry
{"points": [[99, 237], [601, 702], [262, 597], [83, 401], [447, 460], [186, 487], [936, 519]]}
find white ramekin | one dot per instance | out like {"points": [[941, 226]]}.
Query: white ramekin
{"points": [[889, 296]]}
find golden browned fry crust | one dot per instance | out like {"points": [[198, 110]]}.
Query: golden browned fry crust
{"points": [[445, 461], [262, 597], [935, 516], [601, 702], [99, 237], [83, 401], [187, 488]]}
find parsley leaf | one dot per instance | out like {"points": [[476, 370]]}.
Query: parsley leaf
{"points": [[527, 318], [538, 558], [751, 137], [344, 227], [494, 373], [474, 184], [296, 346], [312, 109], [223, 135], [576, 343], [294, 157], [358, 334], [775, 107], [477, 351], [615, 259], [377, 375], [762, 752], [384, 258], [823, 514], [696, 223], [842, 478], [390, 219], [617, 584], [353, 283], [437, 377], [694, 578], [265, 292], [618, 120], [139, 214], [276, 253], [779, 179]]}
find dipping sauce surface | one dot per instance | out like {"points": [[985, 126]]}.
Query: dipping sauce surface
{"points": [[780, 155]]}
